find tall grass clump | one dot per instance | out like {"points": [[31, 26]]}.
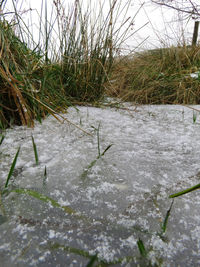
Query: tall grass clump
{"points": [[16, 87], [26, 83], [70, 61], [88, 44], [158, 76]]}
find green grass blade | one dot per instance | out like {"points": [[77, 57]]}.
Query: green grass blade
{"points": [[1, 205], [98, 141], [43, 198], [12, 168], [108, 147], [194, 117], [45, 171], [185, 191], [45, 176], [85, 172], [164, 226], [141, 248], [86, 254], [35, 151], [68, 249], [2, 138], [92, 261]]}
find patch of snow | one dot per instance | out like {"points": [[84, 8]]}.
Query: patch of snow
{"points": [[155, 152]]}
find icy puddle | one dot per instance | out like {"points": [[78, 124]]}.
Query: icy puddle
{"points": [[92, 204]]}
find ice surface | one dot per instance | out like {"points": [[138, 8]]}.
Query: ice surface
{"points": [[118, 198]]}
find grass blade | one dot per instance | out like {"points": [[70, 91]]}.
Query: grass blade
{"points": [[86, 254], [141, 248], [12, 168], [98, 141], [43, 198], [164, 226], [45, 176], [185, 191], [45, 171], [108, 147], [85, 172], [1, 206], [194, 117], [35, 151], [92, 261], [2, 138], [68, 249]]}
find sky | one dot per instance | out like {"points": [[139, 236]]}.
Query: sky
{"points": [[152, 27]]}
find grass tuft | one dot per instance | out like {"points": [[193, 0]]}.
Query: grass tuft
{"points": [[92, 261], [35, 152], [141, 248], [26, 86], [1, 140], [164, 225], [44, 198], [12, 168], [158, 76], [85, 172], [194, 117], [44, 177]]}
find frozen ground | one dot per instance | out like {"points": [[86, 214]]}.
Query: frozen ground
{"points": [[122, 198]]}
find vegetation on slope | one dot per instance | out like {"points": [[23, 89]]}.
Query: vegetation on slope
{"points": [[159, 76]]}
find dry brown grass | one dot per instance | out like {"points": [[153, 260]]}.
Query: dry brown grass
{"points": [[159, 76]]}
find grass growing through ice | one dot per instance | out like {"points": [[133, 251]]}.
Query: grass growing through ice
{"points": [[43, 198], [144, 252], [35, 151], [12, 168], [84, 174], [186, 191], [194, 117], [98, 140], [165, 221], [164, 225], [93, 259], [45, 177], [142, 248], [2, 138]]}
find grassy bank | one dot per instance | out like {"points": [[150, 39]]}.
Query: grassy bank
{"points": [[158, 76]]}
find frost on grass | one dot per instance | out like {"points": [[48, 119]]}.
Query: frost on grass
{"points": [[122, 196]]}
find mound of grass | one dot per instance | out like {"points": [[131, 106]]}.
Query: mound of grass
{"points": [[159, 76], [45, 77], [16, 61], [26, 84], [86, 53]]}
